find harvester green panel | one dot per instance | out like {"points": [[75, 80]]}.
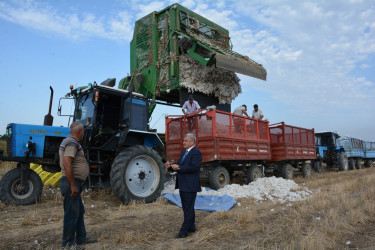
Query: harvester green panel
{"points": [[159, 39]]}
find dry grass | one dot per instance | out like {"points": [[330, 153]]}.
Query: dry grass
{"points": [[341, 209]]}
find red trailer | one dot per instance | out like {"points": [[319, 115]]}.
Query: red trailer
{"points": [[231, 142], [291, 148], [228, 142]]}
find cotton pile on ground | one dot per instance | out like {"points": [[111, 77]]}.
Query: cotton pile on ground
{"points": [[221, 83], [271, 188]]}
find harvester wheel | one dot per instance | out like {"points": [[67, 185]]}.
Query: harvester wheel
{"points": [[318, 166], [137, 174], [351, 164], [11, 191], [358, 164], [306, 170], [287, 171], [219, 177], [253, 173], [343, 162]]}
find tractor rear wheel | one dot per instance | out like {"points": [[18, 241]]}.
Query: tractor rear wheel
{"points": [[137, 174], [306, 170], [253, 173], [343, 162], [287, 171], [358, 164], [13, 193], [219, 177]]}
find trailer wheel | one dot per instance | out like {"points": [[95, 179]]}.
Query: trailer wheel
{"points": [[137, 174], [368, 163], [351, 164], [343, 162], [358, 164], [253, 173], [318, 166], [12, 193], [219, 177], [306, 170], [287, 171]]}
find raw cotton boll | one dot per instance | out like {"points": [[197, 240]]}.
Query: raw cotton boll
{"points": [[221, 83]]}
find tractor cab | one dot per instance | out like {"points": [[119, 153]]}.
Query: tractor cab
{"points": [[106, 112]]}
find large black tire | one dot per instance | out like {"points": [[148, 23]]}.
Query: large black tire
{"points": [[351, 164], [358, 164], [368, 163], [287, 171], [137, 174], [306, 170], [343, 162], [317, 166], [253, 173], [219, 177], [11, 192]]}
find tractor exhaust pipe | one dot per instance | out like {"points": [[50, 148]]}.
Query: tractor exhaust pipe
{"points": [[48, 118]]}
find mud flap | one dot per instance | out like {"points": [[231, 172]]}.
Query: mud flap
{"points": [[241, 66]]}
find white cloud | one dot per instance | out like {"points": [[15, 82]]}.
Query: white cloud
{"points": [[145, 9], [188, 4], [310, 50], [72, 26]]}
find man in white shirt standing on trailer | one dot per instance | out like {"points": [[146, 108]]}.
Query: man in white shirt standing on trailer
{"points": [[191, 106], [257, 113]]}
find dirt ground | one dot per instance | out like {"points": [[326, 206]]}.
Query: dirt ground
{"points": [[339, 215]]}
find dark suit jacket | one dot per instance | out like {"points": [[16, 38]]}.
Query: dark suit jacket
{"points": [[188, 177]]}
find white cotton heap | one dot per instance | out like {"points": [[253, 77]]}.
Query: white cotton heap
{"points": [[270, 188], [221, 83]]}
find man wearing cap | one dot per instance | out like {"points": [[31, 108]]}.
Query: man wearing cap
{"points": [[191, 106]]}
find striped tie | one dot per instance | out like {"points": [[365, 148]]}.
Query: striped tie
{"points": [[183, 157]]}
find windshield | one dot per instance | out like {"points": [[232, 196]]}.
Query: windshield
{"points": [[85, 109]]}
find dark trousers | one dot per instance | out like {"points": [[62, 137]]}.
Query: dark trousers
{"points": [[74, 230], [187, 201]]}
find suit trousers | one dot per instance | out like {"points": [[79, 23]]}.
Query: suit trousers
{"points": [[188, 201]]}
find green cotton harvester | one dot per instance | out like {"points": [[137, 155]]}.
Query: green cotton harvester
{"points": [[175, 52]]}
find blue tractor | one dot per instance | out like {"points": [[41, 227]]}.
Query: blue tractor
{"points": [[119, 147], [328, 151]]}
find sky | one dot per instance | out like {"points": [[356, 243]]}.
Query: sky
{"points": [[319, 57]]}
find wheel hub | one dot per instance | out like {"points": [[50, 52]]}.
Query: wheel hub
{"points": [[141, 176]]}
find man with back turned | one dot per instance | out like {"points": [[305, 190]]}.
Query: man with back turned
{"points": [[188, 182]]}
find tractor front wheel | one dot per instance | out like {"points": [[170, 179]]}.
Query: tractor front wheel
{"points": [[12, 192]]}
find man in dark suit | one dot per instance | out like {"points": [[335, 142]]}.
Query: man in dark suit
{"points": [[188, 182]]}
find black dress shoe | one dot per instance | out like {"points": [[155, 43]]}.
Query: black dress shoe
{"points": [[88, 241], [192, 230], [179, 236]]}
